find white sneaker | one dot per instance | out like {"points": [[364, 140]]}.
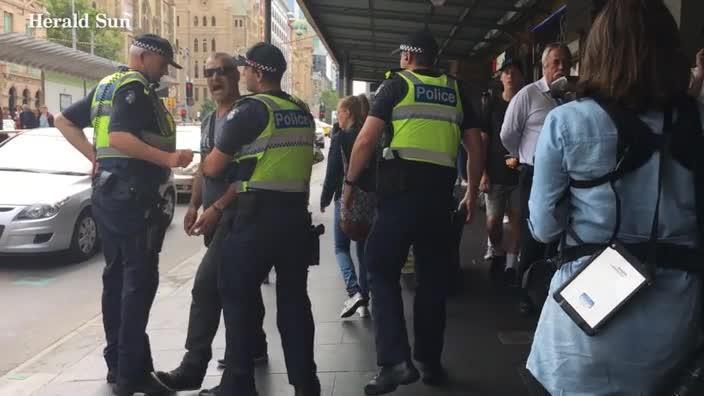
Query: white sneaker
{"points": [[490, 252], [363, 312], [351, 305]]}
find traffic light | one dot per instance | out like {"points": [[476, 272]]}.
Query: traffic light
{"points": [[189, 93]]}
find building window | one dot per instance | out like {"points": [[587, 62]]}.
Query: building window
{"points": [[205, 21], [25, 96], [37, 99], [195, 21], [212, 21], [196, 91], [212, 45], [177, 45], [178, 20], [195, 45], [205, 45], [196, 74], [7, 21], [205, 93]]}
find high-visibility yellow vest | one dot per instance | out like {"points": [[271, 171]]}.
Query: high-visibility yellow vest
{"points": [[101, 112], [284, 150], [426, 123]]}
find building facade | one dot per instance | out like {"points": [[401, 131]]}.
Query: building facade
{"points": [[20, 84], [202, 28], [302, 67], [281, 19]]}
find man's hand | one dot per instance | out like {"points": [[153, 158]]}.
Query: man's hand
{"points": [[189, 219], [512, 163], [484, 184], [207, 222], [470, 204], [180, 158]]}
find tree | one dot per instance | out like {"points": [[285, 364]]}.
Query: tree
{"points": [[108, 42], [208, 106], [329, 99]]}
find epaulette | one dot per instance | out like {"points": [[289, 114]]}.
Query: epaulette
{"points": [[391, 73]]}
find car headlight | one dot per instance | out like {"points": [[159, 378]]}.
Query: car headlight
{"points": [[41, 211]]}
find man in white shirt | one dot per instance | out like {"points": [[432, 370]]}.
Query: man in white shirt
{"points": [[519, 133]]}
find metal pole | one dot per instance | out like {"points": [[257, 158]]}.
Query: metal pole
{"points": [[73, 29], [267, 21], [92, 42]]}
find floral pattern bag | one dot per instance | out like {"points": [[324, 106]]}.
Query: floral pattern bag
{"points": [[356, 221]]}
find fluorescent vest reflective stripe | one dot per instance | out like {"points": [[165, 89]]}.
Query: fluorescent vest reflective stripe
{"points": [[284, 150], [101, 112], [426, 123]]}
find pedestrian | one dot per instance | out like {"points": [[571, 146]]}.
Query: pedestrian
{"points": [[631, 91], [27, 118], [349, 116], [499, 182], [216, 195], [523, 121], [134, 147], [270, 135], [429, 117], [46, 119]]}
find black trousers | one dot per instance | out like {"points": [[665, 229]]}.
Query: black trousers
{"points": [[262, 237], [206, 307], [531, 250], [421, 219], [130, 281]]}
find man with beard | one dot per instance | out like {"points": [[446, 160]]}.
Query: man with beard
{"points": [[216, 195]]}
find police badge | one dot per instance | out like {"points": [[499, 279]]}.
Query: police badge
{"points": [[130, 97]]}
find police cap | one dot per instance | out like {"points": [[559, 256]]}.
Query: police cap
{"points": [[158, 45], [265, 57], [420, 42]]}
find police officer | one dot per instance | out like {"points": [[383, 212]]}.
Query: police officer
{"points": [[270, 135], [429, 117], [216, 196], [134, 148]]}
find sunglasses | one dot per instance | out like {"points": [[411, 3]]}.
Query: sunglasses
{"points": [[222, 71]]}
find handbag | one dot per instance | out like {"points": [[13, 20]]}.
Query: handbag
{"points": [[356, 221]]}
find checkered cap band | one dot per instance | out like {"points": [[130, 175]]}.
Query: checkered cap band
{"points": [[259, 66], [149, 47], [409, 48]]}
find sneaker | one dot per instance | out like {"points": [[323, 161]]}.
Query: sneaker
{"points": [[363, 312], [351, 305], [490, 253]]}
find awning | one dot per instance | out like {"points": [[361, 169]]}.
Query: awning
{"points": [[365, 32], [22, 49]]}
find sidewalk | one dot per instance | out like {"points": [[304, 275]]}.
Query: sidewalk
{"points": [[486, 340]]}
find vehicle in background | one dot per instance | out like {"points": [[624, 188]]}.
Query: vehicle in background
{"points": [[187, 137], [45, 199]]}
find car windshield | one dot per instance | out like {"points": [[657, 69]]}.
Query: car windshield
{"points": [[42, 153], [188, 138]]}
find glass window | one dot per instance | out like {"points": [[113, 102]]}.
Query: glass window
{"points": [[177, 45], [196, 76], [212, 45], [195, 45], [196, 89], [212, 21], [7, 21], [205, 21], [205, 45], [178, 20], [53, 154], [195, 21]]}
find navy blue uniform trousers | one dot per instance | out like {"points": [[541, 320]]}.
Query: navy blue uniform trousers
{"points": [[262, 237], [422, 219], [130, 281]]}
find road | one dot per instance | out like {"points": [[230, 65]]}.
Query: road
{"points": [[42, 299]]}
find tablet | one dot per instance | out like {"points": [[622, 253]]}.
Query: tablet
{"points": [[605, 284]]}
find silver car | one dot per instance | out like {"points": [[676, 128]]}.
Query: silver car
{"points": [[45, 191], [187, 137]]}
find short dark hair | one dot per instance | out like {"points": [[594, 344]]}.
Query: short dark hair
{"points": [[634, 56], [424, 59]]}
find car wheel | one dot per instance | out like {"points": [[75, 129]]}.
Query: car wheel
{"points": [[84, 242], [170, 204]]}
